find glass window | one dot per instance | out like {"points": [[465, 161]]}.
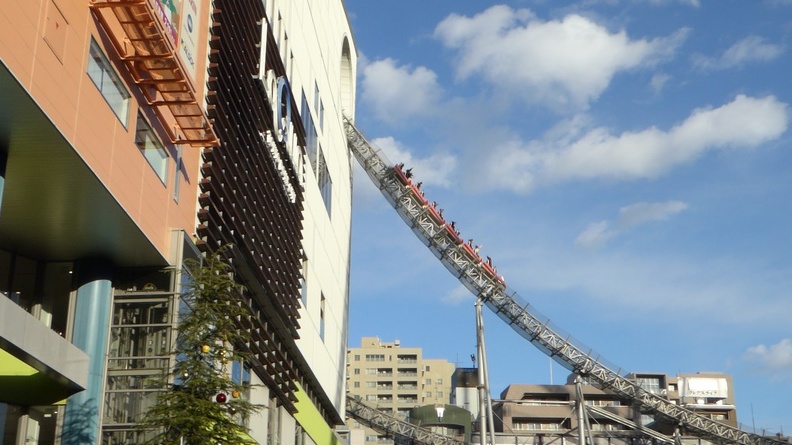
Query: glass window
{"points": [[322, 318], [109, 84], [650, 384], [324, 182], [152, 148], [312, 137], [176, 175], [304, 284]]}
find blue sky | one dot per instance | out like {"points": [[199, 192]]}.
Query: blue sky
{"points": [[626, 164]]}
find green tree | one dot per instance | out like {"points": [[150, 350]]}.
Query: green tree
{"points": [[203, 405]]}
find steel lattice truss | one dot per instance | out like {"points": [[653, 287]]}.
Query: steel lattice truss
{"points": [[468, 268], [386, 424]]}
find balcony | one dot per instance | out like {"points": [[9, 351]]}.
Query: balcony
{"points": [[148, 52]]}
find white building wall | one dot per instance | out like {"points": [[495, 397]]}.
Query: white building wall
{"points": [[258, 422], [312, 35]]}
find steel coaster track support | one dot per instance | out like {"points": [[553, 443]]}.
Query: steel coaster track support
{"points": [[481, 278], [484, 391]]}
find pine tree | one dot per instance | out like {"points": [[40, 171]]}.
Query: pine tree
{"points": [[203, 405]]}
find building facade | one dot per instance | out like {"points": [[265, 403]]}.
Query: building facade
{"points": [[546, 411], [396, 379], [135, 135]]}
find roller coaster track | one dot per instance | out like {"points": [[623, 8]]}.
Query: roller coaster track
{"points": [[481, 278], [387, 424]]}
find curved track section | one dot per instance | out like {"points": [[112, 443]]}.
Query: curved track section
{"points": [[482, 279], [387, 424]]}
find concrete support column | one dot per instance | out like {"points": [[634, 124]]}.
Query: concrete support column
{"points": [[92, 314]]}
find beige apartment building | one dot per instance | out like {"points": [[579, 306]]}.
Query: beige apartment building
{"points": [[396, 378], [528, 411]]}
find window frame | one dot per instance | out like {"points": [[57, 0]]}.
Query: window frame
{"points": [[107, 77], [160, 170]]}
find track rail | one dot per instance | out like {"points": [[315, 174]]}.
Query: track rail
{"points": [[481, 278], [387, 424]]}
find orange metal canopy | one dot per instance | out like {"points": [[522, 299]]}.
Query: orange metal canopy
{"points": [[150, 57]]}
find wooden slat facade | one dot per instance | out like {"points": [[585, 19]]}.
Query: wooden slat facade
{"points": [[244, 201]]}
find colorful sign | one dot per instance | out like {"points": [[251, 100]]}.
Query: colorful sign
{"points": [[168, 14], [188, 35]]}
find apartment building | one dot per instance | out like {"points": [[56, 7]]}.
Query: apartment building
{"points": [[134, 135], [396, 379], [550, 410]]}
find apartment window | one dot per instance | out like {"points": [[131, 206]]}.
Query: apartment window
{"points": [[428, 381], [375, 358], [357, 384], [428, 368], [371, 371], [357, 357], [522, 425], [428, 394], [439, 381], [109, 84], [371, 385], [357, 371], [152, 148], [650, 384], [439, 394], [371, 398]]}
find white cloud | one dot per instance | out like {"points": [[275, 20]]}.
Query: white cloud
{"points": [[749, 49], [564, 64], [745, 122], [458, 295], [658, 82], [595, 235], [694, 3], [396, 93], [687, 288], [433, 170], [642, 212], [774, 359], [599, 233]]}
